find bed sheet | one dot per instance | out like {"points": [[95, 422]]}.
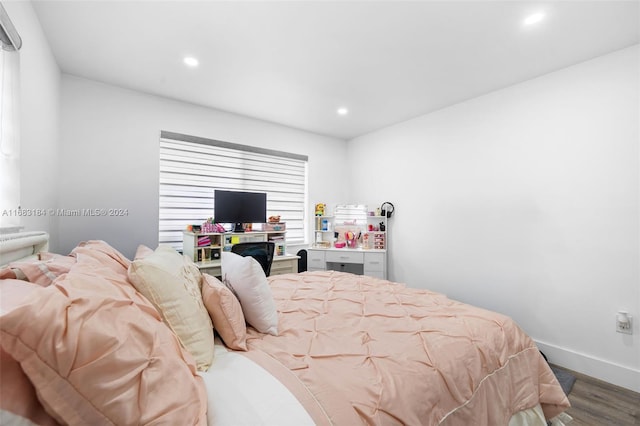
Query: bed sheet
{"points": [[242, 393]]}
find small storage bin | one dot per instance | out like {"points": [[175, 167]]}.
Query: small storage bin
{"points": [[280, 226]]}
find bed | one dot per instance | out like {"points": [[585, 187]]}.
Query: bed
{"points": [[94, 338]]}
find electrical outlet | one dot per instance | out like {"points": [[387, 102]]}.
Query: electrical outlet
{"points": [[624, 322]]}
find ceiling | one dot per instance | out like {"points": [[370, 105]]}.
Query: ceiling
{"points": [[295, 63]]}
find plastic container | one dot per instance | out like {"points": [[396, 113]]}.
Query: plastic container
{"points": [[280, 226]]}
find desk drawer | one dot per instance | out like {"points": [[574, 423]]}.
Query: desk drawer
{"points": [[344, 257], [284, 265], [376, 274], [374, 262], [315, 260], [282, 268]]}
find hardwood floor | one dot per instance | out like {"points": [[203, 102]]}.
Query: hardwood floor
{"points": [[597, 403]]}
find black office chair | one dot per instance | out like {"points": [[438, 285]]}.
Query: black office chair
{"points": [[302, 262], [262, 251]]}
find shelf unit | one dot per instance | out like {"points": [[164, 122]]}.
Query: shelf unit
{"points": [[205, 249], [372, 231], [202, 247], [323, 231]]}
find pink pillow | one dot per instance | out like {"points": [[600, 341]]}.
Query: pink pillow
{"points": [[96, 254], [14, 292], [225, 312], [95, 357], [50, 266], [17, 394], [91, 261], [142, 252], [109, 255]]}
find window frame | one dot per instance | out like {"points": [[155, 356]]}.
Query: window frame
{"points": [[191, 167]]}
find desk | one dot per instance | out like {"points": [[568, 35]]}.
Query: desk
{"points": [[285, 264], [371, 262]]}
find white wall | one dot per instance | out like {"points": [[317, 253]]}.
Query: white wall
{"points": [[525, 201], [110, 149], [39, 116]]}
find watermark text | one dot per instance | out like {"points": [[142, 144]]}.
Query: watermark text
{"points": [[85, 212]]}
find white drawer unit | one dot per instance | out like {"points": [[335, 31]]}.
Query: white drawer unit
{"points": [[375, 265], [374, 262], [343, 256], [315, 260], [286, 264], [365, 262]]}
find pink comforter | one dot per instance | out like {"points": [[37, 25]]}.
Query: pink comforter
{"points": [[397, 355]]}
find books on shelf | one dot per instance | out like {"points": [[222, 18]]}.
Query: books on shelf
{"points": [[204, 241]]}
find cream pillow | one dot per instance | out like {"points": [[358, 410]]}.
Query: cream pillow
{"points": [[225, 312], [246, 279], [173, 284]]}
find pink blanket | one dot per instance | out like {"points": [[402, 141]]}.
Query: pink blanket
{"points": [[397, 355]]}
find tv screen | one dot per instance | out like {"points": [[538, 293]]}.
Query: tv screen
{"points": [[239, 207]]}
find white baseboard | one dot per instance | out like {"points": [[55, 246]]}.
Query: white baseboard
{"points": [[618, 375]]}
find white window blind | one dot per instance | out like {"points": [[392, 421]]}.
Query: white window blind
{"points": [[191, 168]]}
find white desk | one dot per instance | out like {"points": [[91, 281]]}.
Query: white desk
{"points": [[285, 264], [370, 262]]}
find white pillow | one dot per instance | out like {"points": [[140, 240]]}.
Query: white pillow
{"points": [[173, 284], [246, 279]]}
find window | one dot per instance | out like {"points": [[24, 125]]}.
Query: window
{"points": [[192, 167], [10, 43]]}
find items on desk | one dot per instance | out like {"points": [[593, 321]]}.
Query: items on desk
{"points": [[274, 219], [352, 240], [209, 227], [274, 226]]}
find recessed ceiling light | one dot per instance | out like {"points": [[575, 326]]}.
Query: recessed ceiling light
{"points": [[191, 61], [534, 19], [342, 111]]}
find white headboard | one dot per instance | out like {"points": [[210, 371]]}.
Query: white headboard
{"points": [[22, 245]]}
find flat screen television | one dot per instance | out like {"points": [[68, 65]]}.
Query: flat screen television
{"points": [[239, 207]]}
